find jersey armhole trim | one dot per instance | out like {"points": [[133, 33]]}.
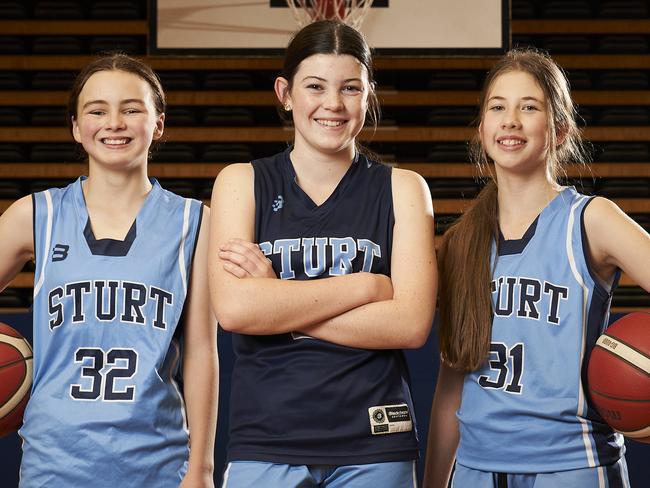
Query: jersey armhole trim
{"points": [[181, 317], [184, 271], [34, 228], [196, 241], [391, 224], [256, 196], [48, 236], [599, 286]]}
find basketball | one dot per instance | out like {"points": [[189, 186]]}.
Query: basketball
{"points": [[15, 378], [619, 376]]}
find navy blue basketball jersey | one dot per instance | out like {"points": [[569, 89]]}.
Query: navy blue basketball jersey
{"points": [[300, 400], [526, 410], [105, 410]]}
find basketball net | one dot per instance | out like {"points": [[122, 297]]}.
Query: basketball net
{"points": [[352, 12]]}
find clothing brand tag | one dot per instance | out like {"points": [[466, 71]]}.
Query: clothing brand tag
{"points": [[389, 419]]}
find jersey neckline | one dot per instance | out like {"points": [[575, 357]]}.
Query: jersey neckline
{"points": [[108, 246], [333, 197], [516, 246]]}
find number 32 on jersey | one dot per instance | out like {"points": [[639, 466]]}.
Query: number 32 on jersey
{"points": [[100, 370]]}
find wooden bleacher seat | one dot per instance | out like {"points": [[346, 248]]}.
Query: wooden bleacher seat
{"points": [[174, 152], [52, 80], [181, 117], [624, 116], [443, 222], [623, 9], [227, 116], [522, 9], [61, 153], [129, 44], [11, 81], [43, 184], [49, 116], [13, 298], [629, 298], [586, 186], [580, 80], [117, 9], [227, 152], [178, 81], [11, 190], [623, 44], [454, 80], [624, 188], [58, 9], [443, 152], [585, 116], [566, 9], [623, 151], [13, 9], [10, 116], [12, 45], [184, 188], [623, 80], [565, 44], [11, 153], [458, 188], [228, 81], [57, 45], [451, 116]]}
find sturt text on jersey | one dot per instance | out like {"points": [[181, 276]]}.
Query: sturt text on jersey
{"points": [[111, 300], [320, 254]]}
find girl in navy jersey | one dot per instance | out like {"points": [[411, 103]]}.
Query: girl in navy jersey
{"points": [[120, 289], [320, 391], [527, 275]]}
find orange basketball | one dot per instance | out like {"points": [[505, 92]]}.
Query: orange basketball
{"points": [[619, 376], [15, 378]]}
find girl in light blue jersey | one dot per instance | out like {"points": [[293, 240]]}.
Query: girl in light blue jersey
{"points": [[120, 304], [526, 281]]}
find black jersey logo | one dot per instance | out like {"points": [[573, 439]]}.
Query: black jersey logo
{"points": [[278, 203], [60, 252]]}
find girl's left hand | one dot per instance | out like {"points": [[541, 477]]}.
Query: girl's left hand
{"points": [[244, 259]]}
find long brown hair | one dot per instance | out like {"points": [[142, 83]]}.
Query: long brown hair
{"points": [[465, 299]]}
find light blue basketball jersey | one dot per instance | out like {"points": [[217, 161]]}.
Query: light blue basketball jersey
{"points": [[105, 410], [526, 411]]}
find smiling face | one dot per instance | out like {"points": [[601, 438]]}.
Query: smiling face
{"points": [[116, 119], [328, 97], [514, 128]]}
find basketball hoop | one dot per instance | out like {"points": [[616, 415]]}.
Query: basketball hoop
{"points": [[352, 12]]}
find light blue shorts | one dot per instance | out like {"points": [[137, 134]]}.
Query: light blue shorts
{"points": [[613, 476], [255, 474]]}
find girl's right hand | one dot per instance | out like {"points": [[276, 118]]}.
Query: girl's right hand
{"points": [[244, 259]]}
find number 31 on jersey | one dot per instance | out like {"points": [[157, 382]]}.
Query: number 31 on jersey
{"points": [[507, 367]]}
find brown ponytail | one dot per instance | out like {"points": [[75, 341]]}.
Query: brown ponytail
{"points": [[465, 300]]}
